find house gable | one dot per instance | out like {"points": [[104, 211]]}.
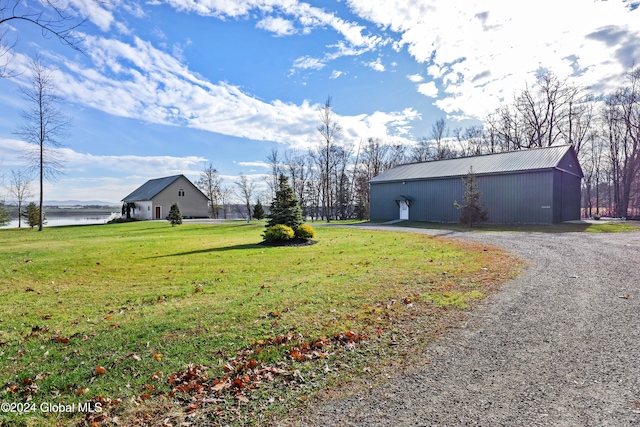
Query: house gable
{"points": [[154, 198]]}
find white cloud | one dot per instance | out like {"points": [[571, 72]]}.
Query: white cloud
{"points": [[485, 51], [138, 81], [307, 16], [380, 124], [257, 164], [96, 12], [416, 78], [307, 62], [335, 74], [428, 89], [277, 25], [376, 65], [106, 181]]}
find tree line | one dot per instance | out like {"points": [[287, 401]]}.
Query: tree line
{"points": [[331, 180]]}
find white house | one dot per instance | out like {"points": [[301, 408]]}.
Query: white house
{"points": [[154, 198]]}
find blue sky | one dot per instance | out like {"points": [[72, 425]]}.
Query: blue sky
{"points": [[166, 86]]}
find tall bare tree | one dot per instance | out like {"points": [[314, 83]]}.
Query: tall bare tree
{"points": [[210, 183], [274, 161], [439, 132], [297, 165], [19, 189], [245, 189], [329, 129], [44, 123], [621, 115]]}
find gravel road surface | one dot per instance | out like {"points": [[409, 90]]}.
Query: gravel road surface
{"points": [[558, 346]]}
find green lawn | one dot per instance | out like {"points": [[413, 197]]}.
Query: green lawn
{"points": [[142, 315]]}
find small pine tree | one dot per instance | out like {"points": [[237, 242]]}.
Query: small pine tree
{"points": [[361, 208], [473, 212], [285, 208], [258, 211], [5, 216], [31, 214], [174, 217]]}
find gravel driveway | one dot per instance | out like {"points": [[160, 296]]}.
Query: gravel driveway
{"points": [[558, 346]]}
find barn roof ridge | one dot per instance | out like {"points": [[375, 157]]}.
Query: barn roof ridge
{"points": [[538, 158], [152, 188]]}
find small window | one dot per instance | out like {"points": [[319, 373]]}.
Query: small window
{"points": [[180, 192]]}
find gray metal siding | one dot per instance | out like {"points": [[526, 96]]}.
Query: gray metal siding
{"points": [[509, 198], [570, 197]]}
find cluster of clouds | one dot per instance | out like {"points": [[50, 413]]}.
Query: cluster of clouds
{"points": [[472, 58], [110, 183]]}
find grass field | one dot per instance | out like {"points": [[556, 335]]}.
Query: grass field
{"points": [[202, 323]]}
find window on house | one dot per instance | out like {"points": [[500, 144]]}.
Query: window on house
{"points": [[180, 192]]}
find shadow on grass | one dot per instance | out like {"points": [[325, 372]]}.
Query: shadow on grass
{"points": [[210, 250]]}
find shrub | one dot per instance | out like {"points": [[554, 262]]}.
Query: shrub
{"points": [[278, 232], [121, 220], [305, 232]]}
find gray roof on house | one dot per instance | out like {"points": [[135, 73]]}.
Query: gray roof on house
{"points": [[507, 162], [151, 188]]}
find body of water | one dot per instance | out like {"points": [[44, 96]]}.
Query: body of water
{"points": [[69, 219]]}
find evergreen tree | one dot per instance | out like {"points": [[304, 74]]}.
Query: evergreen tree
{"points": [[5, 217], [473, 212], [258, 211], [361, 208], [285, 208], [31, 214], [174, 217]]}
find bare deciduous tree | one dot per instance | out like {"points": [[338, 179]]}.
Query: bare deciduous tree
{"points": [[245, 190], [329, 128], [621, 115], [297, 165], [44, 123], [273, 158], [19, 189], [210, 183]]}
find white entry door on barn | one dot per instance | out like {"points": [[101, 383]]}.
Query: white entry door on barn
{"points": [[404, 209]]}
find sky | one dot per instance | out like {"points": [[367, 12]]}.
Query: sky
{"points": [[164, 87]]}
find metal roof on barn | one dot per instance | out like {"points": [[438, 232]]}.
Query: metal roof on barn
{"points": [[500, 163], [151, 188]]}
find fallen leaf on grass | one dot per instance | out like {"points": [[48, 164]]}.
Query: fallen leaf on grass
{"points": [[158, 357], [100, 370], [220, 386]]}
